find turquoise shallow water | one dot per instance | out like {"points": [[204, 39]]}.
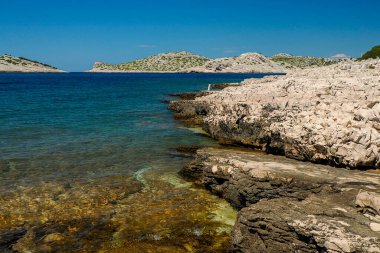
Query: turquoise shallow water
{"points": [[71, 142], [56, 126]]}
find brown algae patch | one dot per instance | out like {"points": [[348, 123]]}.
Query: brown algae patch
{"points": [[115, 214], [61, 217]]}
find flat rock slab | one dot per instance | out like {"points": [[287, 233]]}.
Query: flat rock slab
{"points": [[292, 206]]}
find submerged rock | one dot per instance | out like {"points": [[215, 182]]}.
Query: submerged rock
{"points": [[188, 149], [189, 95], [223, 85], [291, 206], [155, 211], [189, 112]]}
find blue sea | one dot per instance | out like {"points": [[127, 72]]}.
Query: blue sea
{"points": [[88, 163]]}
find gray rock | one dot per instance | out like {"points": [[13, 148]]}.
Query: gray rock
{"points": [[324, 115], [291, 206]]}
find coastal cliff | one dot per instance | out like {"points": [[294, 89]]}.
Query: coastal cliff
{"points": [[327, 115], [10, 63]]}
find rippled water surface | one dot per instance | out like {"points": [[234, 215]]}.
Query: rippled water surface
{"points": [[88, 164]]}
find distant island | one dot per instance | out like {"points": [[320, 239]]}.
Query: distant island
{"points": [[192, 63], [186, 62], [9, 63]]}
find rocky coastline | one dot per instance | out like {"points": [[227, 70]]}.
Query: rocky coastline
{"points": [[324, 115], [313, 183]]}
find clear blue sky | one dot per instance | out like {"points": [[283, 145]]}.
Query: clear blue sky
{"points": [[72, 34]]}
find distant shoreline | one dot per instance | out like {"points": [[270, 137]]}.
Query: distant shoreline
{"points": [[180, 72], [36, 72], [124, 72]]}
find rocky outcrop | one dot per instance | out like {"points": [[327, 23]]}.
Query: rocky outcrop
{"points": [[10, 63], [185, 110], [325, 115], [291, 206], [189, 95], [189, 112], [220, 86]]}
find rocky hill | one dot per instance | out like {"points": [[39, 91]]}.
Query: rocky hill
{"points": [[188, 62], [10, 63], [291, 61], [245, 63], [168, 62]]}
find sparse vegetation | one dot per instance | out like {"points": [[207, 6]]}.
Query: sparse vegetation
{"points": [[37, 62], [188, 62], [291, 61], [163, 62], [371, 54], [19, 63]]}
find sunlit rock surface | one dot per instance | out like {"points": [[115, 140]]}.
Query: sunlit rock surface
{"points": [[325, 115], [291, 206]]}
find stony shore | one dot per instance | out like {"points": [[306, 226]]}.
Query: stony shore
{"points": [[325, 115], [328, 115], [291, 206]]}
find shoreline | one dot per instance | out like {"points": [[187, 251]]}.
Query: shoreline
{"points": [[305, 116], [31, 72], [142, 72], [183, 72], [345, 214], [286, 205], [116, 189]]}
